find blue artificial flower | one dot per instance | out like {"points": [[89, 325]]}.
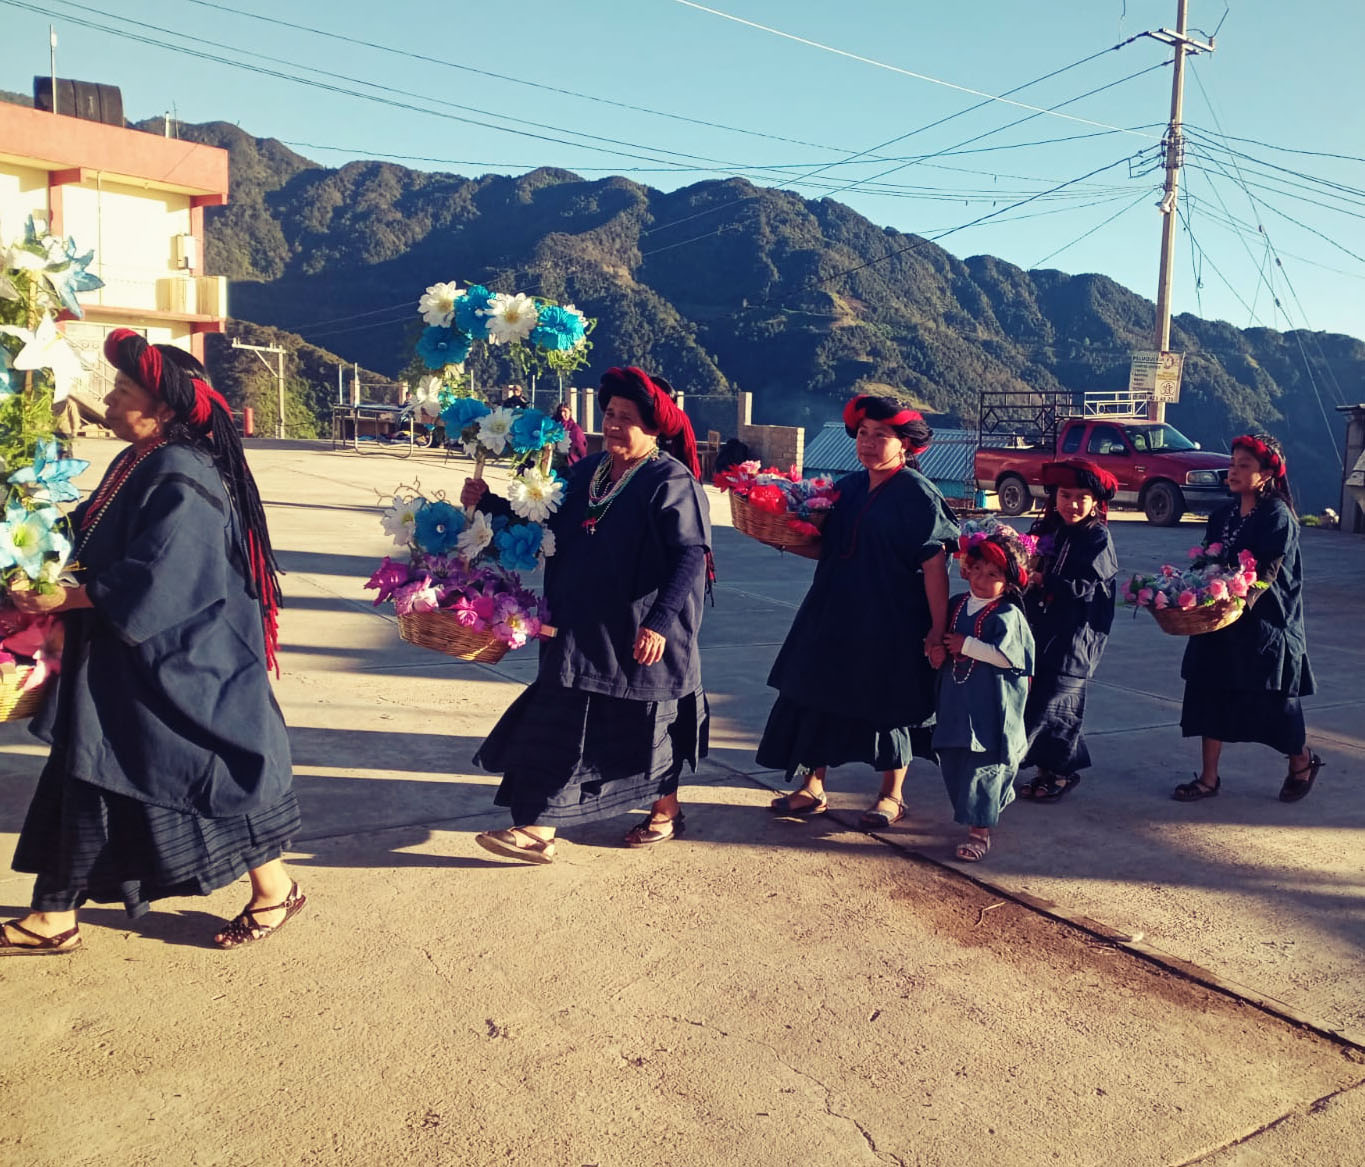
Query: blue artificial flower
{"points": [[438, 526], [439, 347], [28, 537], [533, 430], [69, 277], [518, 546], [468, 309], [558, 330], [49, 478], [460, 412]]}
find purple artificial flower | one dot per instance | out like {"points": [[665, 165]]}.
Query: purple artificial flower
{"points": [[388, 578]]}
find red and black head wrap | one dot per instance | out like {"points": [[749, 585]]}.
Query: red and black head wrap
{"points": [[1080, 474], [203, 418], [657, 408], [909, 424], [1005, 552]]}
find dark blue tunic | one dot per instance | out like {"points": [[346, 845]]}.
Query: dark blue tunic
{"points": [[163, 695], [852, 676], [1071, 614], [597, 733], [1243, 682]]}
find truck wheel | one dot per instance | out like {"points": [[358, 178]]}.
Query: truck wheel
{"points": [[1014, 496], [1163, 504]]}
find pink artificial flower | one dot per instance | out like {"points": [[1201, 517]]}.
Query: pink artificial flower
{"points": [[1246, 561], [793, 473], [486, 608], [1161, 601], [1144, 597], [801, 527], [388, 578], [1196, 552], [1187, 600], [750, 467], [1167, 571], [1238, 585], [465, 615], [1215, 549], [819, 502], [1218, 589], [418, 596]]}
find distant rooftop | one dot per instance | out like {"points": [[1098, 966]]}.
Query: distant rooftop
{"points": [[948, 460]]}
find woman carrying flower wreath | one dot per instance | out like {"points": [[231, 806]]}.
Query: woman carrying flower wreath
{"points": [[170, 771], [1070, 607], [1244, 682], [617, 706], [855, 676]]}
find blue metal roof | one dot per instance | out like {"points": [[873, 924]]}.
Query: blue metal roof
{"points": [[947, 462]]}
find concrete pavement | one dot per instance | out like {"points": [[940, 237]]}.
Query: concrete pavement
{"points": [[761, 992]]}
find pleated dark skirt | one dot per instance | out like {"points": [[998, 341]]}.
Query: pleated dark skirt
{"points": [[1052, 720], [798, 737], [570, 757], [84, 843], [1266, 716]]}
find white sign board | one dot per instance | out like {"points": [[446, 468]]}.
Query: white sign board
{"points": [[1156, 375]]}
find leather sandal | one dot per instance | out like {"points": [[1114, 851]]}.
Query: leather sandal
{"points": [[875, 816], [517, 843], [783, 804], [1196, 791], [647, 833], [244, 928], [1294, 787], [44, 945], [974, 848], [1054, 788]]}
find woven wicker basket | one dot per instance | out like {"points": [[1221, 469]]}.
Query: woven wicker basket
{"points": [[1197, 621], [442, 632], [768, 527], [15, 704]]}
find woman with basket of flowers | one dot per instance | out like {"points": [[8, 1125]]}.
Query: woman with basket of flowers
{"points": [[855, 676], [170, 771], [1243, 682], [1070, 607], [617, 706]]}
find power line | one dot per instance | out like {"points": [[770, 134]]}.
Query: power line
{"points": [[897, 69], [1098, 226]]}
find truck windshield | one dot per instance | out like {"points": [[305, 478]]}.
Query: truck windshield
{"points": [[1154, 439]]}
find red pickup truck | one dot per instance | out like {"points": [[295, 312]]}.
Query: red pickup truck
{"points": [[1159, 469]]}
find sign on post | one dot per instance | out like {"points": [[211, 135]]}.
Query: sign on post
{"points": [[1156, 376]]}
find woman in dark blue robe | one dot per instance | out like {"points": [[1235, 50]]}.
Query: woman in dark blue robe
{"points": [[617, 707], [1070, 607], [1244, 682], [170, 771], [855, 675]]}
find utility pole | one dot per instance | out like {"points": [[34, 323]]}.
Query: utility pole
{"points": [[277, 372], [52, 62], [1174, 143]]}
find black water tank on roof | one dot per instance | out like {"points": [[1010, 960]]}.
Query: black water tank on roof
{"points": [[81, 99]]}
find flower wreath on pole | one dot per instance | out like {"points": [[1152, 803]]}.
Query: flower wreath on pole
{"points": [[40, 276]]}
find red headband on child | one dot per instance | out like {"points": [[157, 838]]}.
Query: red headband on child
{"points": [[996, 555]]}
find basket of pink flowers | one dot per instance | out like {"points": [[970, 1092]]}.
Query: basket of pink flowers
{"points": [[782, 510], [1210, 594]]}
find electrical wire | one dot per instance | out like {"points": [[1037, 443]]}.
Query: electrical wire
{"points": [[1098, 226]]}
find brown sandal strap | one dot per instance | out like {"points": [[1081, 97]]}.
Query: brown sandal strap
{"points": [[43, 941]]}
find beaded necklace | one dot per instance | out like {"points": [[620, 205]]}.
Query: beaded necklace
{"points": [[602, 492], [1232, 529], [960, 678], [108, 490]]}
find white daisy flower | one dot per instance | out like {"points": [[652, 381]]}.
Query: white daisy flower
{"points": [[494, 428], [400, 520], [511, 318], [477, 535], [534, 495], [437, 304], [547, 543], [426, 401]]}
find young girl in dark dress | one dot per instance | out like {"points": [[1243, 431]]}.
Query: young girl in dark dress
{"points": [[854, 677], [982, 688], [1070, 608], [1243, 683]]}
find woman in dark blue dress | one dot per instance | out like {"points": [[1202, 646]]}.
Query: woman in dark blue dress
{"points": [[1070, 607], [855, 676], [170, 771], [1244, 682], [617, 706]]}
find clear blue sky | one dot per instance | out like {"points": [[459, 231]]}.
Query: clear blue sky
{"points": [[1276, 78]]}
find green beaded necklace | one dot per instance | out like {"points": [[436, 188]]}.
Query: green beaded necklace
{"points": [[602, 492]]}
